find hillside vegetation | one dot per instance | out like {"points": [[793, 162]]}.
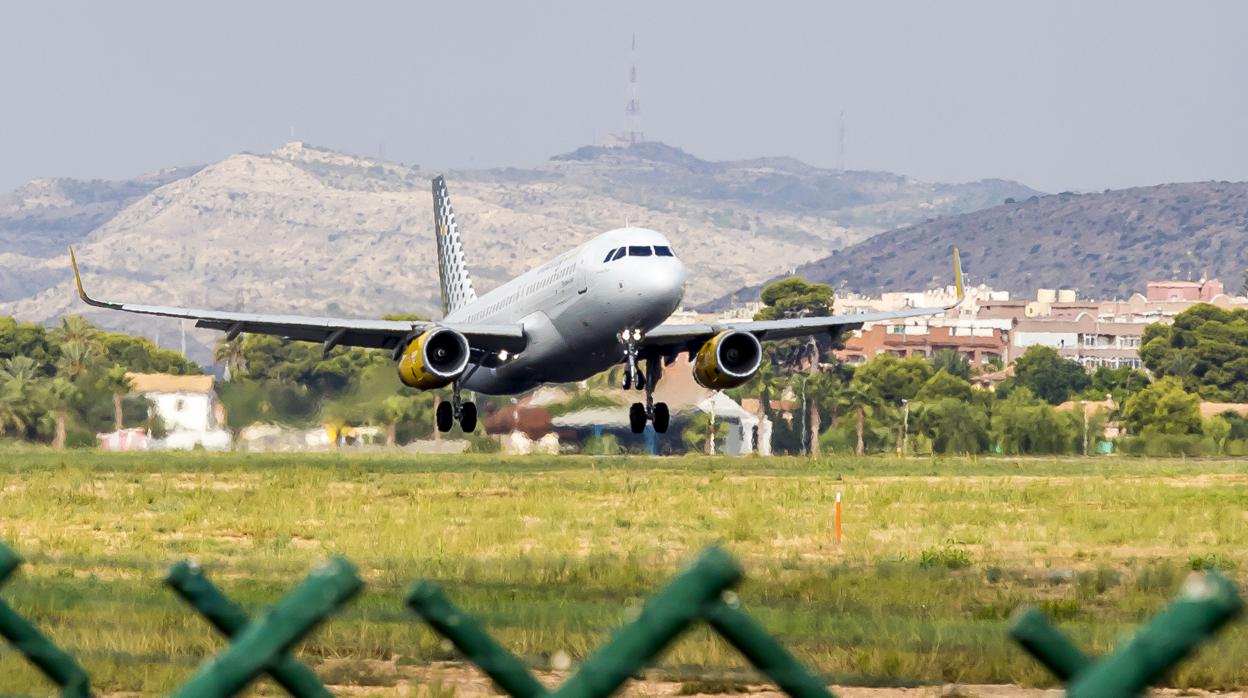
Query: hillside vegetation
{"points": [[1107, 245]]}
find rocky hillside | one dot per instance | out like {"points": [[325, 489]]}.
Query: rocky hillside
{"points": [[309, 230], [1107, 245]]}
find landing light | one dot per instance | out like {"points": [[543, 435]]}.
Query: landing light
{"points": [[502, 355]]}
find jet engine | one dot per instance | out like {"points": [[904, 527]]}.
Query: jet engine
{"points": [[727, 360], [434, 359]]}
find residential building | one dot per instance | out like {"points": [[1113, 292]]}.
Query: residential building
{"points": [[188, 408], [980, 344], [1086, 339]]}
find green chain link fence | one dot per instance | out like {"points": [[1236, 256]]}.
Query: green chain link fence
{"points": [[701, 593]]}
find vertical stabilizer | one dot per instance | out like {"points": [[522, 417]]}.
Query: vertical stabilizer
{"points": [[457, 288]]}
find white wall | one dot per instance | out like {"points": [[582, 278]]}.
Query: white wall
{"points": [[1023, 340], [184, 411]]}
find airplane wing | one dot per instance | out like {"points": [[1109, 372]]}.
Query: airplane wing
{"points": [[675, 338], [485, 340]]}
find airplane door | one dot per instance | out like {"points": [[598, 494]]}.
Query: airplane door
{"points": [[581, 275]]}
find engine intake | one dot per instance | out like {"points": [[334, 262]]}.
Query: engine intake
{"points": [[727, 360], [434, 359]]}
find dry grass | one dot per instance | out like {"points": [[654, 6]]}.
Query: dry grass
{"points": [[553, 554]]}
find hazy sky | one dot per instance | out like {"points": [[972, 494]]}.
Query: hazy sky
{"points": [[1059, 95]]}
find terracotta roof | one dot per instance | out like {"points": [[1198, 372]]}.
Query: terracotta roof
{"points": [[1209, 409], [169, 383]]}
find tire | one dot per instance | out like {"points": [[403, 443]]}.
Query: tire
{"points": [[444, 418], [468, 417], [637, 418], [640, 380], [628, 379], [662, 418]]}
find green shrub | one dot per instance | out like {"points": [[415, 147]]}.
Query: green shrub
{"points": [[1210, 561], [948, 557]]}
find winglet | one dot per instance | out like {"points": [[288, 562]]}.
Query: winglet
{"points": [[957, 275], [73, 262]]}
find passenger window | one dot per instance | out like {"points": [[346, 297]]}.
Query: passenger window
{"points": [[618, 253], [638, 251], [663, 251]]}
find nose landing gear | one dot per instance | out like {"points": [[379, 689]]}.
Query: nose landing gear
{"points": [[650, 411], [456, 411]]}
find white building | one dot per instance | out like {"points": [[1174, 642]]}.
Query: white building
{"points": [[188, 407]]}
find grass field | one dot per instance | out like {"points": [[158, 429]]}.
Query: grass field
{"points": [[553, 553]]}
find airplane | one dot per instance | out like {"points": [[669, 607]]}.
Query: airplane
{"points": [[601, 304]]}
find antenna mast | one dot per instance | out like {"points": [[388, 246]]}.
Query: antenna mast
{"points": [[632, 111]]}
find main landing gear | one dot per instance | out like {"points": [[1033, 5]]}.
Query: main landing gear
{"points": [[456, 411], [650, 411]]}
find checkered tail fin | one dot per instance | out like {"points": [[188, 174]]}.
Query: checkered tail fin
{"points": [[457, 288]]}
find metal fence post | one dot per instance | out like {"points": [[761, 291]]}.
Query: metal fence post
{"points": [[188, 581], [38, 649], [274, 633]]}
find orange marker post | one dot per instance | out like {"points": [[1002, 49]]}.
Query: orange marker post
{"points": [[838, 518]]}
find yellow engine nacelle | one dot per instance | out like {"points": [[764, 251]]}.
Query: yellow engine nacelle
{"points": [[434, 359], [727, 360]]}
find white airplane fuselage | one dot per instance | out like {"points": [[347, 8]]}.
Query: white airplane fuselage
{"points": [[574, 307]]}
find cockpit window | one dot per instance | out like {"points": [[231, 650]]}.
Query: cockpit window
{"points": [[618, 253], [639, 251], [663, 251], [608, 257]]}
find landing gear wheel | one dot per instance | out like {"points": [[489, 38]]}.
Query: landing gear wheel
{"points": [[468, 417], [662, 418], [444, 418], [639, 380], [628, 379], [637, 417]]}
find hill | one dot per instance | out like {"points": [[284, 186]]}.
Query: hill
{"points": [[1107, 245], [309, 230]]}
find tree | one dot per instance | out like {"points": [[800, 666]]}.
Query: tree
{"points": [[795, 297], [945, 385], [864, 400], [1163, 407], [1048, 376], [115, 381], [60, 394], [1206, 348], [19, 394], [1119, 383], [76, 360], [229, 353], [1022, 423], [953, 425], [894, 379], [393, 410], [1218, 429], [952, 362], [697, 433], [29, 340]]}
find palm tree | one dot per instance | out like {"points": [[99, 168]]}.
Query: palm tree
{"points": [[118, 383], [75, 359], [393, 410], [60, 392], [230, 353], [18, 394], [863, 400], [76, 329]]}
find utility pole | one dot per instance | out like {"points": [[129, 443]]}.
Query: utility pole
{"points": [[905, 426], [1084, 405]]}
